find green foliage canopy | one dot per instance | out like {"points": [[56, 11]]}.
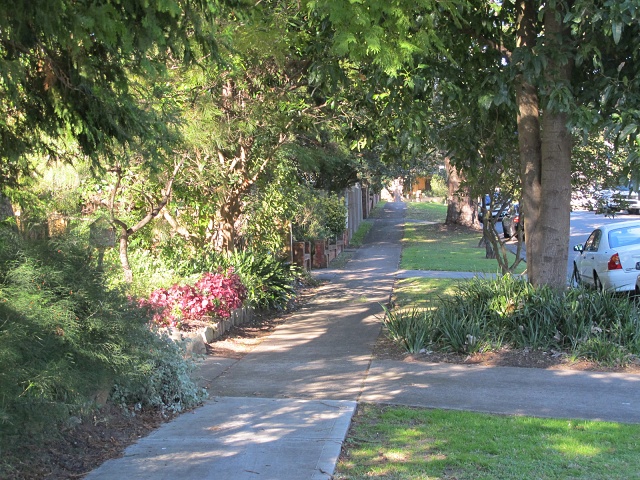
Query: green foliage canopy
{"points": [[66, 72]]}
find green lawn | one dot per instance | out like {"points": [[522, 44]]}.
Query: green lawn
{"points": [[422, 292], [428, 212], [407, 443], [433, 247]]}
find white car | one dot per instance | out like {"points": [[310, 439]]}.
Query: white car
{"points": [[627, 200], [610, 258]]}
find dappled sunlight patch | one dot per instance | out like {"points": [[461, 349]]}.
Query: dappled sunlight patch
{"points": [[575, 448], [395, 456]]}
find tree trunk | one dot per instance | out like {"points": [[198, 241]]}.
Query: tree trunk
{"points": [[6, 209], [489, 252], [530, 146], [555, 212], [461, 208], [124, 256], [226, 234]]}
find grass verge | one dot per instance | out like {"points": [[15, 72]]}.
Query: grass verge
{"points": [[428, 212], [408, 443], [436, 247], [360, 233], [422, 292]]}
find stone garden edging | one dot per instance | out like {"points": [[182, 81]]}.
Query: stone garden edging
{"points": [[195, 342]]}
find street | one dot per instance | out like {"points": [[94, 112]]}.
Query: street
{"points": [[582, 224]]}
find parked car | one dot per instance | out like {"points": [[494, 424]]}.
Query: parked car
{"points": [[498, 210], [610, 258], [617, 199], [510, 221], [606, 202], [627, 200]]}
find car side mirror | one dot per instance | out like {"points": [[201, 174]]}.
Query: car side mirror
{"points": [[578, 248]]}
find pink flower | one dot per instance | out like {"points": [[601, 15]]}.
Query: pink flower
{"points": [[213, 294]]}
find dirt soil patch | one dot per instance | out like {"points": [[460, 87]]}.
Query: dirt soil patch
{"points": [[386, 349]]}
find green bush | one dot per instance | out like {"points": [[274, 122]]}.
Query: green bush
{"points": [[320, 215], [269, 281], [439, 186], [411, 328], [65, 339], [487, 314]]}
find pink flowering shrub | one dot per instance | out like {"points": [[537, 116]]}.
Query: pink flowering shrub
{"points": [[215, 294]]}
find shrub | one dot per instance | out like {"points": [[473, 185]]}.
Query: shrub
{"points": [[269, 281], [64, 337], [411, 328], [461, 327], [439, 187], [485, 314], [214, 294], [320, 215]]}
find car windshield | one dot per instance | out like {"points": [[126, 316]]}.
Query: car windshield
{"points": [[621, 237]]}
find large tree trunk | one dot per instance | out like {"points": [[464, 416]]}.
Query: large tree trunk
{"points": [[555, 212], [461, 208], [530, 147]]}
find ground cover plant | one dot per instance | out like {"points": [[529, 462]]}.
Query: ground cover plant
{"points": [[358, 237], [388, 442], [268, 280], [484, 315], [214, 295]]}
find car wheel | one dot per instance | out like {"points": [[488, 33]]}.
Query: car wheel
{"points": [[597, 284]]}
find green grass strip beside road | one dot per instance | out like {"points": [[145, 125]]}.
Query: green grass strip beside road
{"points": [[434, 247], [406, 443], [422, 292], [431, 247], [428, 212]]}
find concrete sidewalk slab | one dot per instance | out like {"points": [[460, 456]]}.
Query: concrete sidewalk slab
{"points": [[506, 390], [323, 351], [240, 439]]}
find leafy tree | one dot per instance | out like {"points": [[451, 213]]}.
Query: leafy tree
{"points": [[66, 71], [153, 201], [239, 113], [599, 164], [562, 66]]}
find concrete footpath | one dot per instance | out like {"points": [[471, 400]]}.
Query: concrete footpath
{"points": [[283, 411]]}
